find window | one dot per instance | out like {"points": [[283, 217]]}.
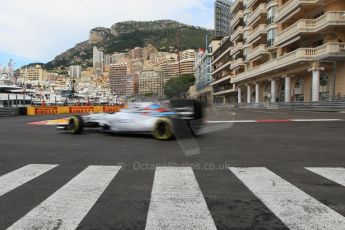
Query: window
{"points": [[272, 33], [245, 53], [271, 13], [245, 18], [245, 35], [324, 79]]}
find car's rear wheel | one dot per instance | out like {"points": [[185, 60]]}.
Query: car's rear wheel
{"points": [[163, 129], [76, 124]]}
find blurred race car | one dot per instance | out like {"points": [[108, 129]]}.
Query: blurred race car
{"points": [[178, 119]]}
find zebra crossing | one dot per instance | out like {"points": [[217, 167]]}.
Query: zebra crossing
{"points": [[177, 201]]}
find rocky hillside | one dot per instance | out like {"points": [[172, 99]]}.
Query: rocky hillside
{"points": [[127, 35]]}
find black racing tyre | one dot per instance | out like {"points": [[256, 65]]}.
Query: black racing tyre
{"points": [[76, 124], [163, 129]]}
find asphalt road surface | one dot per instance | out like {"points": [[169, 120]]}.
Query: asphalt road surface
{"points": [[265, 170]]}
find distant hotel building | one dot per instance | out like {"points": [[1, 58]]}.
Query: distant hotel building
{"points": [[222, 18], [75, 71], [282, 51], [97, 61]]}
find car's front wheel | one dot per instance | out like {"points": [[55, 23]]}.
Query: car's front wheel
{"points": [[76, 124], [163, 129]]}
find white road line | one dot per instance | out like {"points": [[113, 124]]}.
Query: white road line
{"points": [[177, 202], [314, 120], [69, 205], [334, 174], [296, 209], [16, 178]]}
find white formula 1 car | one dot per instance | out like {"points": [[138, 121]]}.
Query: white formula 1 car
{"points": [[182, 116]]}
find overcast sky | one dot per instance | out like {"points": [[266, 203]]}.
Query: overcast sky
{"points": [[38, 30]]}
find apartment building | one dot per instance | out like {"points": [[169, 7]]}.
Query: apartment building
{"points": [[222, 90], [151, 82], [171, 68], [202, 69], [130, 87], [35, 74], [187, 54], [284, 51], [75, 71], [118, 79], [97, 60], [222, 18]]}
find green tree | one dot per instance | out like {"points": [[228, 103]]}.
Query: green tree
{"points": [[178, 87]]}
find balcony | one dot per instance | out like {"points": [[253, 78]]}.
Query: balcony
{"points": [[271, 3], [222, 55], [251, 3], [236, 64], [261, 9], [222, 67], [329, 50], [236, 4], [226, 78], [257, 52], [224, 89], [236, 34], [288, 9], [236, 19], [261, 29], [331, 18], [237, 48], [224, 92]]}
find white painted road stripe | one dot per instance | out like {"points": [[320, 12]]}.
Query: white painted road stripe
{"points": [[296, 209], [177, 202], [66, 208], [315, 120], [14, 179], [334, 174]]}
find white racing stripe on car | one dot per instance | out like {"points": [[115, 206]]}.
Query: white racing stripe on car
{"points": [[177, 202], [16, 178], [296, 209], [334, 174], [69, 205]]}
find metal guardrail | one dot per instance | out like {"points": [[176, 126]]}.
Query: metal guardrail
{"points": [[324, 106], [327, 106], [6, 112]]}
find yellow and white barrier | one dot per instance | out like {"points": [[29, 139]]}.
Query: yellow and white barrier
{"points": [[51, 110]]}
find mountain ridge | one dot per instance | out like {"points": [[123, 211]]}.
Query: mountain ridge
{"points": [[126, 35]]}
